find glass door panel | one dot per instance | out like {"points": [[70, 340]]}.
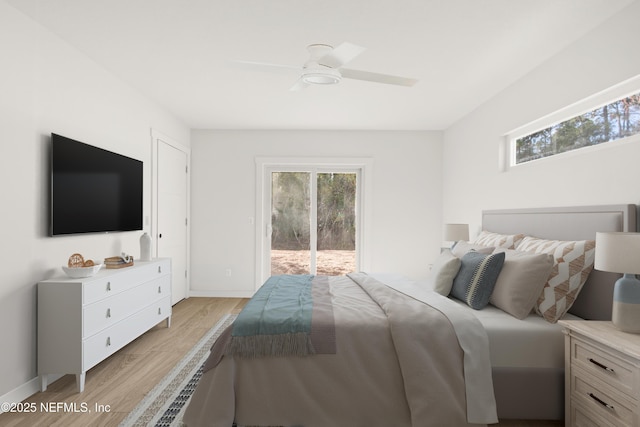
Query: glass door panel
{"points": [[290, 223], [336, 223]]}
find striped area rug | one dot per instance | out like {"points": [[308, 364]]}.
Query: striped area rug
{"points": [[163, 406]]}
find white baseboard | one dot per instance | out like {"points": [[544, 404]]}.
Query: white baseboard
{"points": [[222, 294], [24, 391]]}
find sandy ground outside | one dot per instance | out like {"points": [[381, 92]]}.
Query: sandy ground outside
{"points": [[330, 263]]}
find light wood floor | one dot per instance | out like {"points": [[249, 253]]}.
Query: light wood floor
{"points": [[122, 380]]}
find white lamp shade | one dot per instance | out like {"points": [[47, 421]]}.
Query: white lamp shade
{"points": [[618, 252], [455, 232]]}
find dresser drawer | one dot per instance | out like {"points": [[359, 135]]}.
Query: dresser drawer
{"points": [[108, 341], [596, 397], [581, 417], [105, 285], [110, 311], [612, 370]]}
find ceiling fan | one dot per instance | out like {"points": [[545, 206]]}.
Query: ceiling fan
{"points": [[325, 67]]}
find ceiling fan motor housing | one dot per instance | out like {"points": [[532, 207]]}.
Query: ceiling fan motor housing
{"points": [[315, 73]]}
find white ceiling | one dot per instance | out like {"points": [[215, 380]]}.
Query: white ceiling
{"points": [[180, 52]]}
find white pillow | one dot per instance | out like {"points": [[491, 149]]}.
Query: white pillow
{"points": [[443, 272]]}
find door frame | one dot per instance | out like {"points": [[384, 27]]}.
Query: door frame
{"points": [[363, 166], [156, 137]]}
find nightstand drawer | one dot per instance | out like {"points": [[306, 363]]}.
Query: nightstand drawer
{"points": [[594, 396], [613, 370], [583, 418]]}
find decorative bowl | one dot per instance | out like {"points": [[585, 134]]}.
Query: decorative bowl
{"points": [[79, 272]]}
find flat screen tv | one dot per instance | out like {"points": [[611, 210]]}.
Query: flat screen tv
{"points": [[93, 190]]}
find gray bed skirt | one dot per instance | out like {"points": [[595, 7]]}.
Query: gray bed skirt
{"points": [[532, 393]]}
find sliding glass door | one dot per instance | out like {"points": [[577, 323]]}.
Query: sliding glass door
{"points": [[313, 222], [313, 215]]}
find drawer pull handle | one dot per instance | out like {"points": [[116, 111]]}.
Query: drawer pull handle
{"points": [[108, 313], [159, 269], [603, 403], [108, 286], [159, 310], [159, 289], [108, 341], [600, 365]]}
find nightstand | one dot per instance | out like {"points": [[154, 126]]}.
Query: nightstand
{"points": [[602, 375]]}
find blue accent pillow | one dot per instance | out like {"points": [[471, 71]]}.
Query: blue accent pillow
{"points": [[476, 278]]}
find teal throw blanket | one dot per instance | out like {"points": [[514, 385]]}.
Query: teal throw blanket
{"points": [[277, 320]]}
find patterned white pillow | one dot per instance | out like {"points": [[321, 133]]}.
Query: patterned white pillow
{"points": [[497, 240], [572, 263]]}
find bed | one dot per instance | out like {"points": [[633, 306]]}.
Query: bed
{"points": [[377, 372]]}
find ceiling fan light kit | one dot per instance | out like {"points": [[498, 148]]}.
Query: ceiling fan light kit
{"points": [[321, 76]]}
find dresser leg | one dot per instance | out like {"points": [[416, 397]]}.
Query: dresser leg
{"points": [[80, 381], [169, 322]]}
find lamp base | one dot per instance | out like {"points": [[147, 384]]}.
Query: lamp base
{"points": [[626, 304]]}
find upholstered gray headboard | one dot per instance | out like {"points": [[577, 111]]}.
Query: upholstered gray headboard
{"points": [[571, 223]]}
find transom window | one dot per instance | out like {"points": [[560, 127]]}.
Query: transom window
{"points": [[593, 121], [617, 120]]}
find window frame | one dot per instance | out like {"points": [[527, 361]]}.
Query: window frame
{"points": [[626, 88]]}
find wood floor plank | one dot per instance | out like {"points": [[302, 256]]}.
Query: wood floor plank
{"points": [[115, 386]]}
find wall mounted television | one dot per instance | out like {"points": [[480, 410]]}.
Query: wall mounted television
{"points": [[93, 190]]}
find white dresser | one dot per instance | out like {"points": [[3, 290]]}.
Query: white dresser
{"points": [[83, 321]]}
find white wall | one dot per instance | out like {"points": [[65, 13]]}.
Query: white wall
{"points": [[473, 179], [407, 230], [46, 87]]}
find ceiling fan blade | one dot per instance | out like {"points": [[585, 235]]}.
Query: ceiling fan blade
{"points": [[264, 66], [376, 77], [300, 84], [341, 55]]}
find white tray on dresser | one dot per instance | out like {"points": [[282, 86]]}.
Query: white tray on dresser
{"points": [[83, 321]]}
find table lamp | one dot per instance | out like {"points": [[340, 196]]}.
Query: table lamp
{"points": [[620, 253], [455, 232]]}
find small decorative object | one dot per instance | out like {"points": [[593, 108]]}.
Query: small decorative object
{"points": [[121, 261], [77, 267], [145, 247], [620, 253], [75, 260]]}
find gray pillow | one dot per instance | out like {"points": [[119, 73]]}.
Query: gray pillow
{"points": [[443, 272], [476, 278], [521, 281]]}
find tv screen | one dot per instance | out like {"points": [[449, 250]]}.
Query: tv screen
{"points": [[93, 190]]}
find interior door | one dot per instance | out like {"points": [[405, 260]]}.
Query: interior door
{"points": [[172, 216]]}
